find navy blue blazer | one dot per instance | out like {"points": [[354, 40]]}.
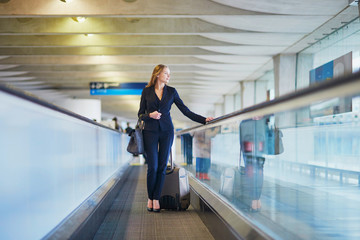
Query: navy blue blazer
{"points": [[150, 102]]}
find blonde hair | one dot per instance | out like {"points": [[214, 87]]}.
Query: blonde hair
{"points": [[157, 70]]}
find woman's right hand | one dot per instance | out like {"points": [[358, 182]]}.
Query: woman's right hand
{"points": [[155, 115], [209, 119]]}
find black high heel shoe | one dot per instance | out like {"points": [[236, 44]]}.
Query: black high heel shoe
{"points": [[148, 208], [157, 210]]}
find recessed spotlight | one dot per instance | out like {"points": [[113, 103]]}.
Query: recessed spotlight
{"points": [[79, 19]]}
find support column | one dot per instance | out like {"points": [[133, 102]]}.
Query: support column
{"points": [[248, 94], [284, 74], [305, 64]]}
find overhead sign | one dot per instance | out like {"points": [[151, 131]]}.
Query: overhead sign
{"points": [[113, 88]]}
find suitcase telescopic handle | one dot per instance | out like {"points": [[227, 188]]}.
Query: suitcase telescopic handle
{"points": [[171, 169], [171, 160]]}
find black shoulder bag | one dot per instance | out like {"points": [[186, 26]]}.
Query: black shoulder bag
{"points": [[136, 143]]}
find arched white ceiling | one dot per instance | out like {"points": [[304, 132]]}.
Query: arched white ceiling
{"points": [[210, 45], [270, 23], [247, 50], [256, 38], [295, 7], [236, 59]]}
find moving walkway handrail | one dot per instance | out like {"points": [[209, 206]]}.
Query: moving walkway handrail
{"points": [[33, 98], [337, 87]]}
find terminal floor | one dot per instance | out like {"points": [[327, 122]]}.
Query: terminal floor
{"points": [[128, 218]]}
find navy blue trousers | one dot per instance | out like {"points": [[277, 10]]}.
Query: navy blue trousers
{"points": [[157, 147]]}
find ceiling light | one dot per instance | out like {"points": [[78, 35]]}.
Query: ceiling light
{"points": [[353, 2], [79, 19], [66, 1]]}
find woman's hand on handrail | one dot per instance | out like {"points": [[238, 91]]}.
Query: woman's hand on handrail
{"points": [[209, 119]]}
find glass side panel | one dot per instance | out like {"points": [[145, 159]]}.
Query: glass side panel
{"points": [[335, 55], [49, 163], [294, 174]]}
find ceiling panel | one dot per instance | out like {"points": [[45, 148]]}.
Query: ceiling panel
{"points": [[305, 7]]}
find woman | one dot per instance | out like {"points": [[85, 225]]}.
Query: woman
{"points": [[155, 105]]}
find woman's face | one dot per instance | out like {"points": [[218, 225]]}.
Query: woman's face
{"points": [[164, 76]]}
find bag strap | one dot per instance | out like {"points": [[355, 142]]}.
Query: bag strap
{"points": [[140, 124]]}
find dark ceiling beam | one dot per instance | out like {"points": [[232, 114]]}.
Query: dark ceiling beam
{"points": [[121, 26], [107, 40]]}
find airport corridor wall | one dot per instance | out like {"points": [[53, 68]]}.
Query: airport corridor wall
{"points": [[51, 160]]}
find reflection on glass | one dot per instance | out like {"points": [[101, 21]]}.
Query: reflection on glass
{"points": [[294, 174], [186, 146], [202, 151], [257, 139]]}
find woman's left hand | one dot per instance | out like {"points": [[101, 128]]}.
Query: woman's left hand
{"points": [[209, 119]]}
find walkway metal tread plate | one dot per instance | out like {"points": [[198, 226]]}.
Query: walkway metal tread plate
{"points": [[128, 218]]}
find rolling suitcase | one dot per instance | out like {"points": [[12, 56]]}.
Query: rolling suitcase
{"points": [[175, 194], [227, 183]]}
